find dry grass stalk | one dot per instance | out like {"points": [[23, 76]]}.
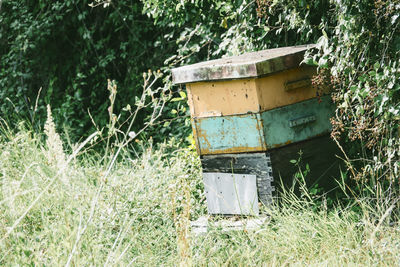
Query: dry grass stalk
{"points": [[55, 153], [182, 223]]}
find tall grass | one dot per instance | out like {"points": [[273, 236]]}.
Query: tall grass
{"points": [[138, 215]]}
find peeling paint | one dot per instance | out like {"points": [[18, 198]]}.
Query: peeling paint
{"points": [[231, 134], [263, 131], [254, 102], [248, 65], [279, 131]]}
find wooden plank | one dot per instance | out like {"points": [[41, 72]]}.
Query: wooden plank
{"points": [[272, 90], [222, 98], [231, 134], [297, 122]]}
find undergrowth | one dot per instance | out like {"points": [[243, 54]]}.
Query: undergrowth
{"points": [[139, 215]]}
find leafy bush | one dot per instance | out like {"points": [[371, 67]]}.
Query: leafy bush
{"points": [[62, 53], [363, 55]]}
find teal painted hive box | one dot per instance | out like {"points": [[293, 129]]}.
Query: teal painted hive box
{"points": [[253, 113], [256, 132]]}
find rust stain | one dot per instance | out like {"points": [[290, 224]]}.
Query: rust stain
{"points": [[200, 134], [260, 128], [203, 135], [195, 134], [244, 149]]}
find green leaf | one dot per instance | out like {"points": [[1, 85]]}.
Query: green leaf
{"points": [[310, 61], [182, 94]]}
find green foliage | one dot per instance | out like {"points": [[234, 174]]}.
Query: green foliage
{"points": [[358, 55], [62, 53], [362, 54], [134, 211]]}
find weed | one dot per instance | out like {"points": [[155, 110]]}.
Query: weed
{"points": [[135, 222]]}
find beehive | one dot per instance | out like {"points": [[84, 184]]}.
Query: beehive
{"points": [[255, 108]]}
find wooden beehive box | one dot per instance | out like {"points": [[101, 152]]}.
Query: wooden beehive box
{"points": [[246, 107]]}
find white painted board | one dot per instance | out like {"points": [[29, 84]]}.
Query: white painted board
{"points": [[229, 193]]}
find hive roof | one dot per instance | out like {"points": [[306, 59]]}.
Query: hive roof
{"points": [[248, 65]]}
